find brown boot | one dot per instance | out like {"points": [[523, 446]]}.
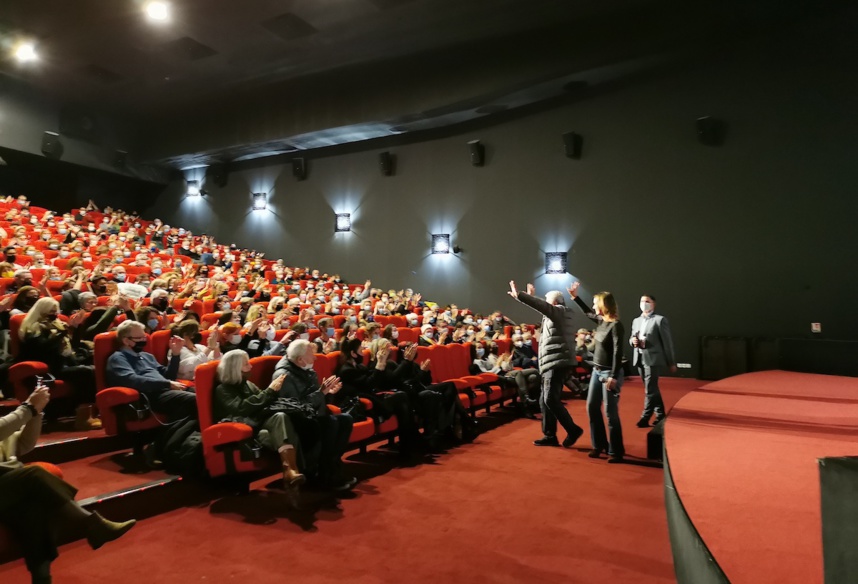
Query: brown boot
{"points": [[289, 457], [84, 420], [100, 530]]}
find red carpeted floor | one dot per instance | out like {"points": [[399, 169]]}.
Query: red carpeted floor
{"points": [[743, 453], [498, 510]]}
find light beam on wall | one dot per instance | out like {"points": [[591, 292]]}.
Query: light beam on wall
{"points": [[555, 262], [344, 222], [441, 243], [193, 188]]}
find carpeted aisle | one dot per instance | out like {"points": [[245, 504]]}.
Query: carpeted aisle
{"points": [[499, 510]]}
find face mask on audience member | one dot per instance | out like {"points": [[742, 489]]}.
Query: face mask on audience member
{"points": [[160, 303], [62, 231], [487, 329], [119, 277], [646, 307], [469, 320], [29, 302], [235, 339], [518, 344], [330, 331], [53, 246], [78, 248], [31, 252], [139, 346], [480, 353], [516, 331], [156, 271], [64, 254], [197, 338], [269, 334], [126, 253], [153, 323], [10, 257], [528, 342], [433, 320]]}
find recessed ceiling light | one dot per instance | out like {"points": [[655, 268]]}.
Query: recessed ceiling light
{"points": [[25, 52], [158, 11]]}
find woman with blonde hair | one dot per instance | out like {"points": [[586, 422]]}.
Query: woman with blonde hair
{"points": [[607, 378], [46, 339], [236, 397]]}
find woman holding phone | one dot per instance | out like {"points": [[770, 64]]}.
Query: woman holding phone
{"points": [[607, 377]]}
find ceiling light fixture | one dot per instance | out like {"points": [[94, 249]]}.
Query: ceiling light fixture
{"points": [[25, 52], [193, 188], [158, 11]]}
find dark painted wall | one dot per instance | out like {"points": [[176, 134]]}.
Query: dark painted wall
{"points": [[752, 238]]}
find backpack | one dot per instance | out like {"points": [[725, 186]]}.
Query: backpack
{"points": [[182, 449]]}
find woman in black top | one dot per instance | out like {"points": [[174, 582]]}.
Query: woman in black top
{"points": [[607, 378]]}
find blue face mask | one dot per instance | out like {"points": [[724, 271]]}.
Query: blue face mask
{"points": [[353, 318], [119, 277], [528, 343], [480, 352], [156, 272], [153, 323], [330, 331], [433, 320]]}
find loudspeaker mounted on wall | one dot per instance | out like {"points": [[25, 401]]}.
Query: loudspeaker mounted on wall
{"points": [[299, 168], [478, 152], [51, 145], [217, 174], [711, 131], [387, 163], [120, 159], [574, 144]]}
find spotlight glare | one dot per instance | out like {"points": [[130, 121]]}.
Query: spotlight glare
{"points": [[158, 11], [344, 222], [555, 262], [193, 188], [259, 201], [441, 243], [25, 52]]}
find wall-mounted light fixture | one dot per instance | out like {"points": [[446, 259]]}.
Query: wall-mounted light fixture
{"points": [[344, 222], [260, 201], [555, 262], [193, 188], [441, 243]]}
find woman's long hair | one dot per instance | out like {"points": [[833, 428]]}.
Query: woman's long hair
{"points": [[33, 321]]}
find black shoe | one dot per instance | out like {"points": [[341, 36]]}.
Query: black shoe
{"points": [[547, 441], [572, 438], [346, 484], [595, 453], [615, 459], [643, 422]]}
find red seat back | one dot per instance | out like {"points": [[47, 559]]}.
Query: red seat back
{"points": [[325, 364], [159, 344], [205, 380], [105, 345], [263, 370]]}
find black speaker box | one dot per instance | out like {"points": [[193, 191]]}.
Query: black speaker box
{"points": [[574, 144], [51, 145], [218, 175], [386, 162], [711, 131], [299, 169], [655, 442], [478, 152]]}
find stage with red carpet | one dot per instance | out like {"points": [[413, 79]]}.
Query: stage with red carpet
{"points": [[497, 510], [743, 455]]}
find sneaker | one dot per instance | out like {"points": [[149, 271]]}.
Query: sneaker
{"points": [[547, 441], [572, 438]]}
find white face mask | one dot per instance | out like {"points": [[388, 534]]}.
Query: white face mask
{"points": [[646, 306], [235, 339], [269, 334], [518, 343]]}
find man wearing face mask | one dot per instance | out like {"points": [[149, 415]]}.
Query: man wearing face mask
{"points": [[259, 341], [555, 361], [160, 301], [12, 257], [653, 352], [132, 367], [326, 434]]}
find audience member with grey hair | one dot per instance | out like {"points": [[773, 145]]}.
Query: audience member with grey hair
{"points": [[132, 367], [235, 398], [325, 433]]}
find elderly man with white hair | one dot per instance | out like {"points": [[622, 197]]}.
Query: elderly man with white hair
{"points": [[132, 367], [555, 360], [325, 433]]}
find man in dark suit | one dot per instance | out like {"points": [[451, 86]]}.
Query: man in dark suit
{"points": [[653, 352]]}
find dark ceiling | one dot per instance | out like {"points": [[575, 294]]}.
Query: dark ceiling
{"points": [[104, 54]]}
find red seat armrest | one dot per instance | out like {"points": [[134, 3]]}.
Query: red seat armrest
{"points": [[225, 433]]}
